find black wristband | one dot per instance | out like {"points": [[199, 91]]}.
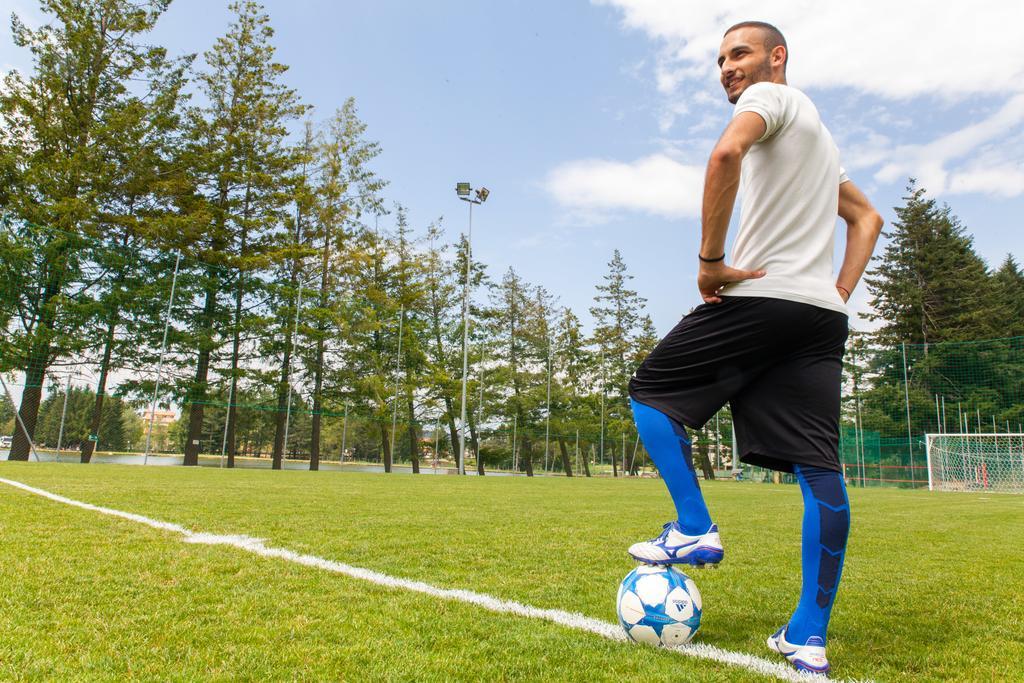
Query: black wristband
{"points": [[711, 260]]}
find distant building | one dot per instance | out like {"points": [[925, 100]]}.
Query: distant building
{"points": [[161, 418]]}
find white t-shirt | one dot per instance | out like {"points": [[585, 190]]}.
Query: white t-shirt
{"points": [[789, 183]]}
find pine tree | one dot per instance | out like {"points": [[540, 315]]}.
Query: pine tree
{"points": [[344, 189], [1008, 285], [539, 332], [511, 308], [244, 169], [929, 285], [367, 367], [575, 365], [134, 212], [617, 314], [6, 415], [444, 290], [617, 328], [111, 435], [410, 289], [63, 127]]}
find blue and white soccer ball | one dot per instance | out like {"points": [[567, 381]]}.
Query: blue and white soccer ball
{"points": [[659, 606]]}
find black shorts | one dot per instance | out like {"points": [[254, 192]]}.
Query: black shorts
{"points": [[778, 363]]}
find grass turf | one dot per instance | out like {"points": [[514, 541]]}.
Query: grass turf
{"points": [[932, 587]]}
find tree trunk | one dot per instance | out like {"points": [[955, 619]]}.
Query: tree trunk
{"points": [[527, 457], [566, 463], [318, 381], [385, 446], [586, 464], [236, 342], [232, 412], [475, 443], [702, 455], [35, 373], [101, 387], [634, 463], [197, 393], [282, 413], [283, 407], [318, 370], [453, 432], [414, 445], [615, 469], [314, 444], [30, 398]]}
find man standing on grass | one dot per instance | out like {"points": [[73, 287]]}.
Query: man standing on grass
{"points": [[770, 335]]}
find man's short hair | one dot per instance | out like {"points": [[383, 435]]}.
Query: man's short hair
{"points": [[772, 36]]}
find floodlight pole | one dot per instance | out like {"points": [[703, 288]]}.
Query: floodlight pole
{"points": [[160, 364], [910, 438], [398, 372], [547, 412], [344, 434], [465, 343], [288, 408], [63, 415], [602, 405], [463, 190]]}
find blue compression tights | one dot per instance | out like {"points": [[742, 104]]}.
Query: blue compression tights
{"points": [[826, 522], [825, 530], [670, 449]]}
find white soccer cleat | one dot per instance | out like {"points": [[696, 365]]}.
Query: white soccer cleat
{"points": [[809, 657], [675, 547]]}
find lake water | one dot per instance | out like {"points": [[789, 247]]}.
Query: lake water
{"points": [[242, 463]]}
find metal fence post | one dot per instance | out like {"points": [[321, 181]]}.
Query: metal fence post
{"points": [[910, 438]]}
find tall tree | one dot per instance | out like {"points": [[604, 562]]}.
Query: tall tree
{"points": [[345, 188], [444, 328], [929, 285], [930, 291], [617, 315], [118, 425], [1008, 283], [573, 364], [512, 307], [539, 332], [367, 367], [134, 211], [244, 168], [63, 124], [6, 415]]}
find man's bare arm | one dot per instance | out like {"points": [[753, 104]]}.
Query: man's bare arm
{"points": [[863, 226], [721, 184]]}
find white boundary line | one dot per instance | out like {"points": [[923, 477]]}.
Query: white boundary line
{"points": [[570, 619]]}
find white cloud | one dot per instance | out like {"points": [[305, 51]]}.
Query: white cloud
{"points": [[1000, 181], [997, 175], [897, 50], [882, 57], [655, 184]]}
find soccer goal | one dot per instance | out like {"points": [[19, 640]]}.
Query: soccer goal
{"points": [[975, 462]]}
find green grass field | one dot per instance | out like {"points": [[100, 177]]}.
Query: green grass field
{"points": [[932, 587]]}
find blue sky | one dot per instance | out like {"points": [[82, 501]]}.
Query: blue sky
{"points": [[591, 121]]}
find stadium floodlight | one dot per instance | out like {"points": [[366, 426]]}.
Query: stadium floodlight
{"points": [[464, 191], [295, 334]]}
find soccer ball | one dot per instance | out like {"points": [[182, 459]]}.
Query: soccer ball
{"points": [[659, 606]]}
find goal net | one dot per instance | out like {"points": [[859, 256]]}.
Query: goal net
{"points": [[975, 462]]}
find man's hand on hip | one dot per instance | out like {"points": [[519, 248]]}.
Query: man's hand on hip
{"points": [[713, 276]]}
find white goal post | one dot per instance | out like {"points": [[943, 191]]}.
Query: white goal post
{"points": [[975, 462]]}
